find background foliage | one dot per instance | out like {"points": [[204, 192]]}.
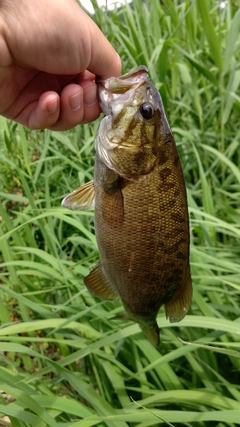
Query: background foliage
{"points": [[64, 362]]}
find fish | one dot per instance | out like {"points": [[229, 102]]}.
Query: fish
{"points": [[141, 214]]}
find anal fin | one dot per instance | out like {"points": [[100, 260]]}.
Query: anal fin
{"points": [[98, 285], [177, 309], [81, 199]]}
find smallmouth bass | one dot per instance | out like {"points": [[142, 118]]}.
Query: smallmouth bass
{"points": [[141, 214]]}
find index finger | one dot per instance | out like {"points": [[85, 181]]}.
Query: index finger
{"points": [[104, 60]]}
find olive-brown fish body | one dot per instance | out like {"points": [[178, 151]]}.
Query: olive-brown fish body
{"points": [[141, 216]]}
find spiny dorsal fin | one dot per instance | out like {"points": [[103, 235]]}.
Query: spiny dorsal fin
{"points": [[98, 285], [81, 199]]}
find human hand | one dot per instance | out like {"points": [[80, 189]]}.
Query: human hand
{"points": [[50, 54]]}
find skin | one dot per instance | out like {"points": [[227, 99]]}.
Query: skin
{"points": [[50, 54]]}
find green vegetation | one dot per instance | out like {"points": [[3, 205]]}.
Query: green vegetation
{"points": [[64, 362]]}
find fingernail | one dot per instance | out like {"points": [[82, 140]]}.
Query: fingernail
{"points": [[75, 101], [90, 96], [52, 105]]}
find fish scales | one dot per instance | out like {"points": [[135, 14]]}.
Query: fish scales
{"points": [[146, 236], [141, 215]]}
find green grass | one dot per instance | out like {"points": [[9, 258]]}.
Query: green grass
{"points": [[64, 362]]}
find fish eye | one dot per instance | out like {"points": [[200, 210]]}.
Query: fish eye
{"points": [[146, 110]]}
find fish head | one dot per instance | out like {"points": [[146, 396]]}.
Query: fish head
{"points": [[134, 125]]}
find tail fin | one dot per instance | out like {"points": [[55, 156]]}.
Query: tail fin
{"points": [[152, 333]]}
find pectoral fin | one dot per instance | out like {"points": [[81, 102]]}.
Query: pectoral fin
{"points": [[98, 285], [81, 199]]}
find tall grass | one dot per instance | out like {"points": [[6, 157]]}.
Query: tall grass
{"points": [[64, 362]]}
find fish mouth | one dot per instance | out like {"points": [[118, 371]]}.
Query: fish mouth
{"points": [[120, 88]]}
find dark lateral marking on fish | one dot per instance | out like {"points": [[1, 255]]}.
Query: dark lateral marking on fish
{"points": [[169, 250], [118, 118], [148, 135], [180, 241], [177, 217], [172, 249], [171, 203], [140, 157], [155, 138], [176, 161], [168, 185], [176, 232], [165, 173], [181, 255], [176, 193], [162, 156], [130, 130]]}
